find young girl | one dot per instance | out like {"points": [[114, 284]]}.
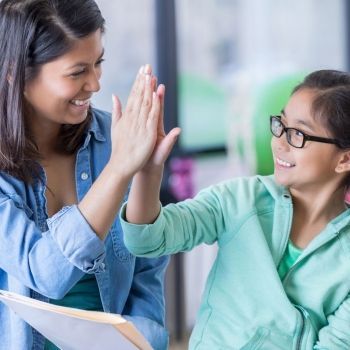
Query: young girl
{"points": [[281, 279], [64, 172]]}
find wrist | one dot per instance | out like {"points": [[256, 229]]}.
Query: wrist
{"points": [[152, 171], [117, 173]]}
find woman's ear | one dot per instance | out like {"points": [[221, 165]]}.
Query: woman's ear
{"points": [[343, 163]]}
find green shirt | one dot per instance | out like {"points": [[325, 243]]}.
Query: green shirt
{"points": [[290, 256], [244, 304], [84, 295]]}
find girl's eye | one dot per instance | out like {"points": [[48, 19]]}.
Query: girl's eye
{"points": [[299, 133]]}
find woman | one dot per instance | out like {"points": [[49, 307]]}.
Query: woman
{"points": [[64, 171], [281, 279]]}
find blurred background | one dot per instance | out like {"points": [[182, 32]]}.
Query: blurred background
{"points": [[227, 65]]}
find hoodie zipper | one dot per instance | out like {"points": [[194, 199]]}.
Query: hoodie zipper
{"points": [[302, 328]]}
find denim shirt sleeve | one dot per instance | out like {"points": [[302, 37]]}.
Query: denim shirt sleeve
{"points": [[76, 240], [48, 262], [145, 306]]}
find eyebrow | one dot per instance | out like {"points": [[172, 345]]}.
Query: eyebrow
{"points": [[80, 64], [299, 121]]}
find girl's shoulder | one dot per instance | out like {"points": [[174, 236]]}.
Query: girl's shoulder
{"points": [[249, 186], [248, 192]]}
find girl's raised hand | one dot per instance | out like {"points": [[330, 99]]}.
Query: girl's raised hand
{"points": [[165, 142]]}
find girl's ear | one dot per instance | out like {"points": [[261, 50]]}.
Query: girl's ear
{"points": [[343, 163]]}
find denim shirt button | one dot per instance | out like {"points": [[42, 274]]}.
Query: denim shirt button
{"points": [[84, 176]]}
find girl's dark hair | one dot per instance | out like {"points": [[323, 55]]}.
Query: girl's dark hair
{"points": [[331, 104], [32, 33]]}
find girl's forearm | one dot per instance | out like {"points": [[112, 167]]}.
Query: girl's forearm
{"points": [[143, 202]]}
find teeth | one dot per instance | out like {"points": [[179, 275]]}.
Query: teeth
{"points": [[284, 163], [80, 102]]}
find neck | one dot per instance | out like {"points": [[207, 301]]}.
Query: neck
{"points": [[319, 206], [47, 143], [45, 135]]}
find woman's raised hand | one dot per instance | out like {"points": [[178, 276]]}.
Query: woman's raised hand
{"points": [[138, 138], [134, 131]]}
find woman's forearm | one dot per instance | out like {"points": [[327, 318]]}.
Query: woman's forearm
{"points": [[102, 202]]}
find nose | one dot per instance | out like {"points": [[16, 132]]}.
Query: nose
{"points": [[92, 83]]}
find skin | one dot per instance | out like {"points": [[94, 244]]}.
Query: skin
{"points": [[59, 82], [316, 186], [134, 133], [318, 171]]}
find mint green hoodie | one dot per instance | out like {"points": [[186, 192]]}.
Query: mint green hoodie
{"points": [[245, 305]]}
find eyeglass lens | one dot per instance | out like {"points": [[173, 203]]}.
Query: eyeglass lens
{"points": [[294, 137]]}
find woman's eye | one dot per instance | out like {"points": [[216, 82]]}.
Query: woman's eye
{"points": [[75, 74], [299, 133], [80, 72], [99, 62]]}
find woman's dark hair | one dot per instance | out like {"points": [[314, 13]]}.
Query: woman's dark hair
{"points": [[32, 33], [331, 103]]}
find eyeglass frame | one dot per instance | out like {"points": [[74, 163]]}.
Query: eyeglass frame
{"points": [[306, 137]]}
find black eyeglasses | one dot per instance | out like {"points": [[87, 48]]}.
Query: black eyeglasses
{"points": [[295, 137]]}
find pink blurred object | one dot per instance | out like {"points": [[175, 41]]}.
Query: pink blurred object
{"points": [[347, 197], [181, 178]]}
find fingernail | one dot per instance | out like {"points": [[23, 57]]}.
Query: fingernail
{"points": [[141, 70], [147, 69]]}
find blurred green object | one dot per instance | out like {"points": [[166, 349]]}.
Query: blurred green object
{"points": [[202, 113], [269, 99]]}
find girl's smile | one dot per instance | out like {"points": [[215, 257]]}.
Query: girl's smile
{"points": [[283, 164], [313, 165]]}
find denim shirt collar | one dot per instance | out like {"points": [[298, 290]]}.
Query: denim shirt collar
{"points": [[95, 130]]}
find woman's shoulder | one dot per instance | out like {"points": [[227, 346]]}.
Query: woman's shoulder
{"points": [[14, 190], [9, 185]]}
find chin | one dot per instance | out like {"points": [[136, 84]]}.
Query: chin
{"points": [[282, 180], [76, 119]]}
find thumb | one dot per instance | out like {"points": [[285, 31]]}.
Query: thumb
{"points": [[117, 109], [166, 145]]}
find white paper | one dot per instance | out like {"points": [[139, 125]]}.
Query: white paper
{"points": [[68, 332]]}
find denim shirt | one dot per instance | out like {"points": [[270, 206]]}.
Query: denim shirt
{"points": [[43, 258]]}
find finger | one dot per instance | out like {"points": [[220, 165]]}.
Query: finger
{"points": [[147, 69], [154, 113], [138, 78], [116, 110], [161, 95], [136, 93], [147, 101], [154, 83], [166, 146]]}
